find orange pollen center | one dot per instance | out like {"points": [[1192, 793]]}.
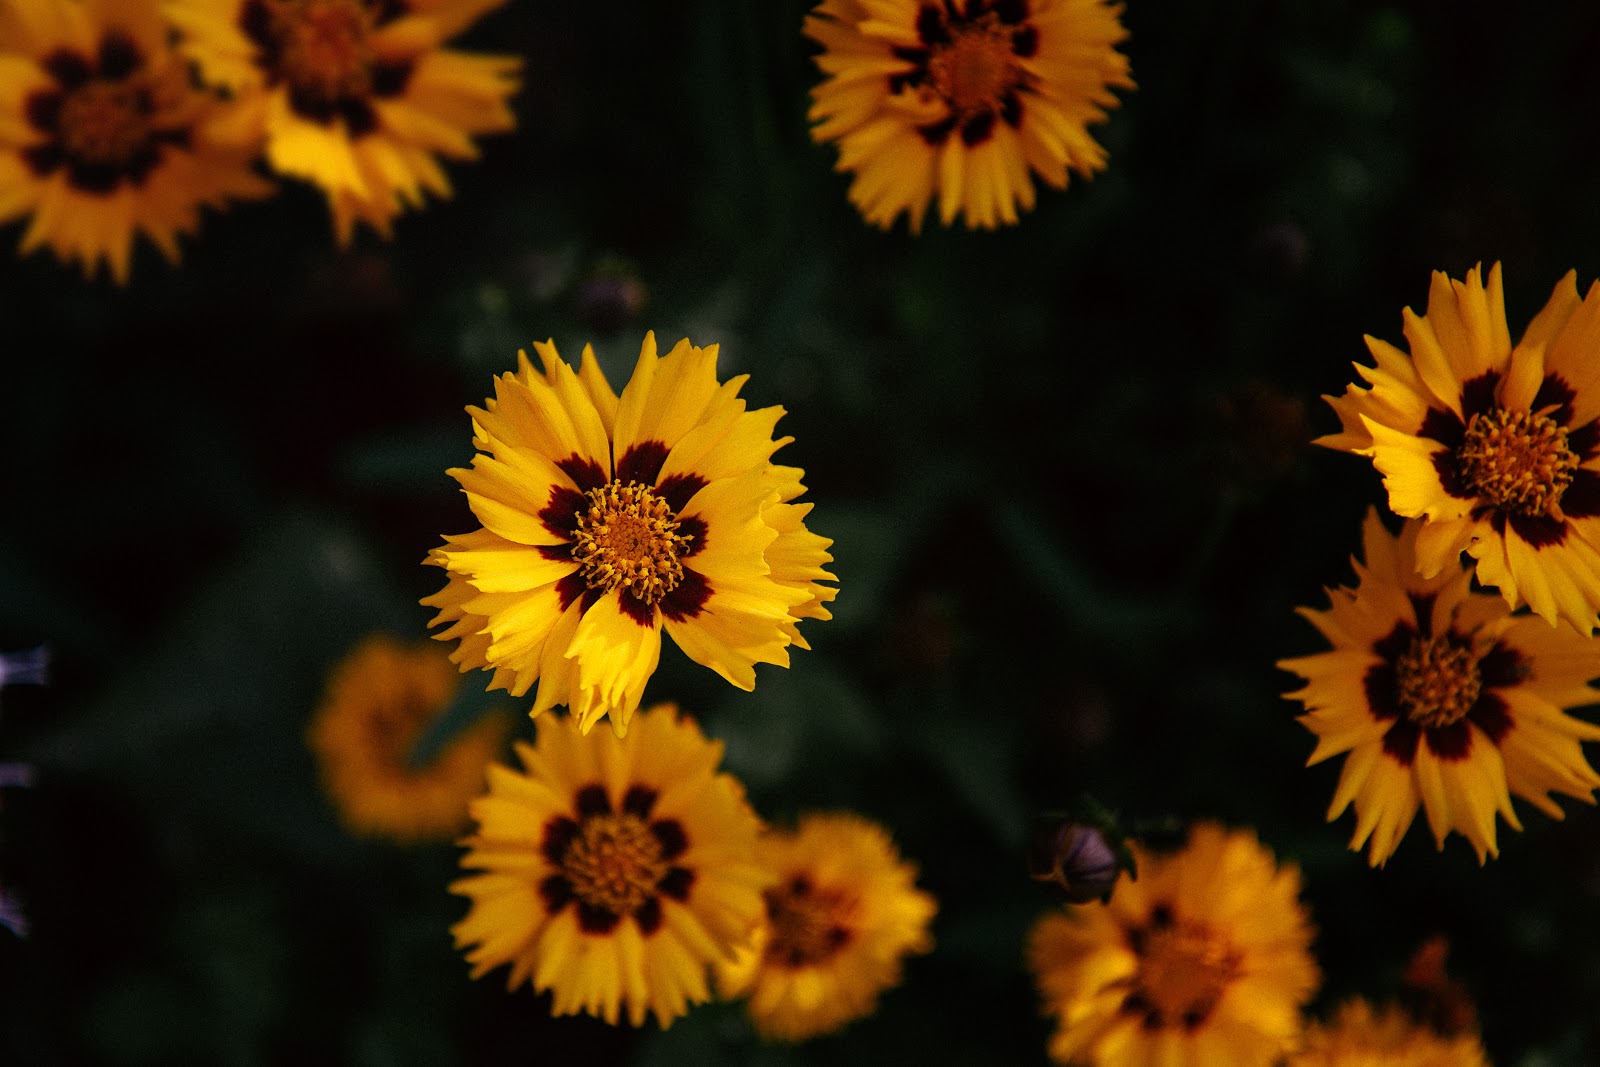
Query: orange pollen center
{"points": [[614, 862], [629, 538], [324, 47], [106, 122], [976, 69], [807, 926], [1184, 970], [1438, 681], [1517, 461]]}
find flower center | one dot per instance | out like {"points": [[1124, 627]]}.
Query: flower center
{"points": [[807, 925], [629, 538], [1517, 461], [976, 69], [105, 122], [323, 48], [614, 862], [1438, 681], [1184, 969]]}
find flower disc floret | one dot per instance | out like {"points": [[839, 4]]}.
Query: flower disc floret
{"points": [[614, 863], [1437, 680], [1516, 460], [629, 537]]}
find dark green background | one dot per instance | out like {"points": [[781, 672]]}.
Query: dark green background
{"points": [[1064, 465]]}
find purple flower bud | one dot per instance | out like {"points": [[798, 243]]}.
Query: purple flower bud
{"points": [[31, 666], [11, 915], [15, 776], [1076, 857]]}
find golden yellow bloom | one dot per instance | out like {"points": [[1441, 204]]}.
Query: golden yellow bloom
{"points": [[358, 96], [962, 100], [380, 700], [1361, 1037], [102, 136], [1496, 447], [844, 912], [615, 870], [606, 519], [1443, 699], [1203, 960]]}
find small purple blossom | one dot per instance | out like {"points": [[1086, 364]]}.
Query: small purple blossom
{"points": [[1077, 858], [11, 914], [31, 666]]}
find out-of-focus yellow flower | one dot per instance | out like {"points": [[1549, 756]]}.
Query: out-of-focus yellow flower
{"points": [[843, 914], [103, 136], [380, 701], [358, 96], [961, 102], [1362, 1037], [1203, 960]]}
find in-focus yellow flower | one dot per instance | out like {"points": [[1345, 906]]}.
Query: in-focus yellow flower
{"points": [[962, 100], [615, 870], [1203, 960], [1443, 699], [606, 519], [358, 96], [1496, 447], [380, 700], [1361, 1037], [102, 135], [844, 912]]}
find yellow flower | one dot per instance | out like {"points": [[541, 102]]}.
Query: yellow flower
{"points": [[606, 519], [843, 913], [358, 96], [962, 101], [615, 870], [1203, 960], [1496, 447], [1361, 1037], [380, 700], [102, 136], [1443, 699]]}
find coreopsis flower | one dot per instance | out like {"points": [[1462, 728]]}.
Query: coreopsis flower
{"points": [[103, 136], [1358, 1036], [359, 97], [1496, 447], [843, 913], [615, 870], [960, 101], [606, 519], [380, 701], [1203, 960], [1443, 699]]}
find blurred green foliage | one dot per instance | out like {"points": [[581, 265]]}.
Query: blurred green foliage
{"points": [[1065, 466]]}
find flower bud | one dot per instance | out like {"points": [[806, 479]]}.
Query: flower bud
{"points": [[1078, 858]]}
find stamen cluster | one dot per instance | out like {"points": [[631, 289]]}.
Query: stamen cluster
{"points": [[629, 538]]}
